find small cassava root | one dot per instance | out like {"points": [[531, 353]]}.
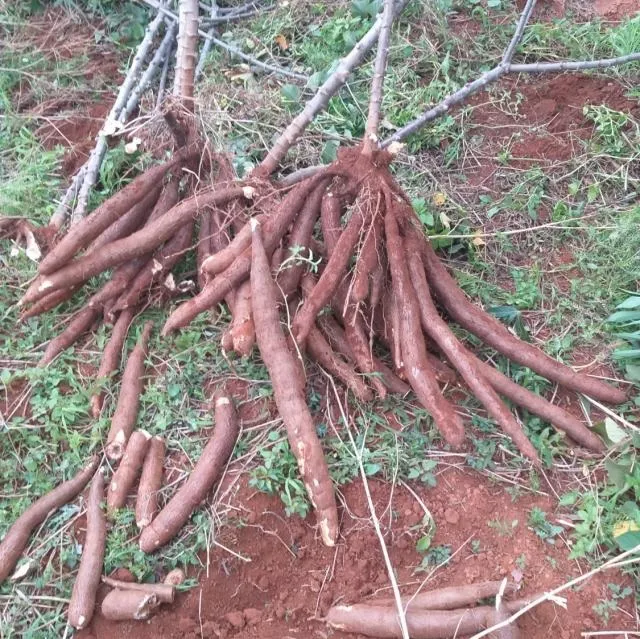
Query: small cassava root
{"points": [[15, 541], [126, 413], [206, 473], [83, 597]]}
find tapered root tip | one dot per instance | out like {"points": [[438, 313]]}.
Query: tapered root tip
{"points": [[255, 224]]}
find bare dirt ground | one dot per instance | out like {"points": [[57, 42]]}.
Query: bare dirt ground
{"points": [[292, 578]]}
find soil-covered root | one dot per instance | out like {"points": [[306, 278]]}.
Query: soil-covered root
{"points": [[447, 598], [130, 222], [128, 470], [437, 329], [79, 324], [496, 335], [82, 234], [206, 473], [165, 592], [83, 597], [242, 334], [382, 621], [416, 365], [110, 360], [131, 388], [147, 239], [150, 483], [288, 390], [15, 541], [129, 605]]}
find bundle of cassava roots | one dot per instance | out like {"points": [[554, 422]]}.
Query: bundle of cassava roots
{"points": [[333, 268]]}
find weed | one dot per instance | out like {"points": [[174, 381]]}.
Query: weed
{"points": [[502, 527], [435, 556], [605, 607], [541, 526]]}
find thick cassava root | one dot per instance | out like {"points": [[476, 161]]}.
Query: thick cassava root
{"points": [[15, 541], [150, 483], [206, 473], [128, 470], [129, 605]]}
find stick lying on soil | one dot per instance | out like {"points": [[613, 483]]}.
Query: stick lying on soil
{"points": [[129, 605], [150, 483], [83, 597], [128, 470], [126, 413], [15, 541], [206, 473]]}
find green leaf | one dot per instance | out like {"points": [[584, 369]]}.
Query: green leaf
{"points": [[290, 92], [424, 543], [615, 434], [628, 540], [617, 473], [372, 469], [622, 317], [633, 372], [630, 302], [329, 151]]}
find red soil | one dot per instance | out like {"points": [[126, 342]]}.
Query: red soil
{"points": [[292, 578]]}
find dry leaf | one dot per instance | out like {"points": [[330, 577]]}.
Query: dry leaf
{"points": [[477, 240], [439, 198], [282, 42]]}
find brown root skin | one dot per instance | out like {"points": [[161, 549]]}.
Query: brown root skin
{"points": [[81, 235], [129, 605], [83, 597], [556, 416], [79, 324], [16, 538], [150, 483], [111, 355], [214, 292], [496, 335], [323, 354], [48, 302], [382, 621], [203, 250], [242, 330], [330, 278], [126, 412], [130, 222], [162, 261], [206, 473], [300, 236], [128, 470], [289, 394], [437, 329], [330, 215], [414, 359], [139, 243], [165, 592], [368, 257], [447, 598]]}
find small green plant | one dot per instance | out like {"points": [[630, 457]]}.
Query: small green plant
{"points": [[626, 325], [435, 556], [606, 607], [278, 475], [475, 546], [541, 526]]}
